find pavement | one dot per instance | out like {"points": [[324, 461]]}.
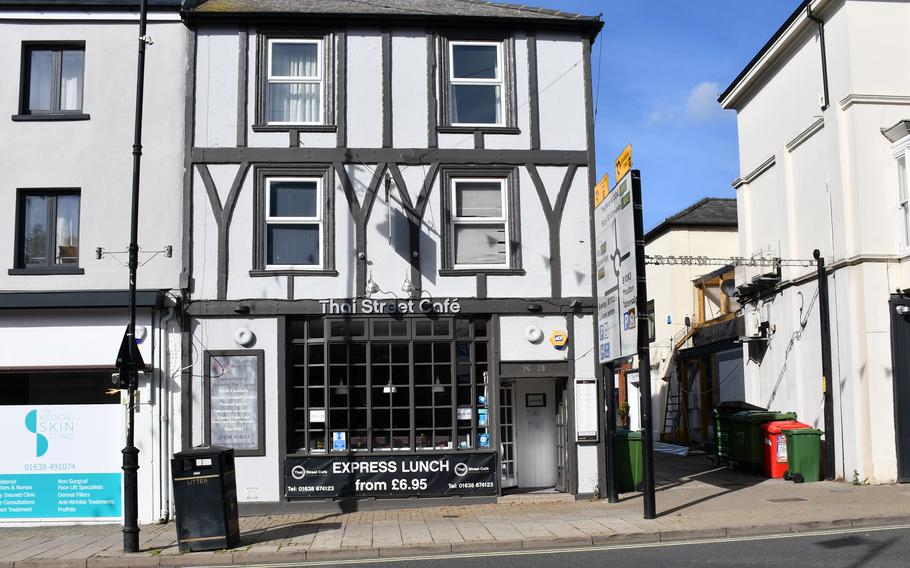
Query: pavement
{"points": [[694, 501]]}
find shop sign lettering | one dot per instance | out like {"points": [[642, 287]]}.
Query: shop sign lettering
{"points": [[369, 306], [438, 475]]}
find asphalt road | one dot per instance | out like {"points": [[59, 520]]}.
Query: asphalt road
{"points": [[830, 549]]}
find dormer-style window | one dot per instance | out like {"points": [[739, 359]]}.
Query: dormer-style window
{"points": [[295, 82], [476, 84]]}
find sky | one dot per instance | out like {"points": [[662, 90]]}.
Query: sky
{"points": [[658, 68]]}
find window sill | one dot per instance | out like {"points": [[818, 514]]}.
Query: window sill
{"points": [[44, 271], [49, 117], [476, 271], [315, 272], [473, 129], [298, 128]]}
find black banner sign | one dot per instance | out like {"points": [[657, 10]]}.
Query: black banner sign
{"points": [[437, 475]]}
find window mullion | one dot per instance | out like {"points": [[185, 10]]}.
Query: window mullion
{"points": [[51, 231], [56, 80]]}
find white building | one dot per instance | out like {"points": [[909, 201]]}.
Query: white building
{"points": [[68, 90], [822, 113], [391, 250]]}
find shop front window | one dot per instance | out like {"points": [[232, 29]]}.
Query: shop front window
{"points": [[387, 385]]}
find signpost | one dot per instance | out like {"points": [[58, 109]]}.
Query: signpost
{"points": [[622, 307]]}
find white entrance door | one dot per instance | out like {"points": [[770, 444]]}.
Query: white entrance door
{"points": [[535, 432], [507, 435]]}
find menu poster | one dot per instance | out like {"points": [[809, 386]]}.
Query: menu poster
{"points": [[234, 391], [586, 423]]}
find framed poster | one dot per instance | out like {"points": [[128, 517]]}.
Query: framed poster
{"points": [[586, 423], [535, 399], [235, 401]]}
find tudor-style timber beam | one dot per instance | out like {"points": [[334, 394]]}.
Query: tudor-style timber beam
{"points": [[405, 156]]}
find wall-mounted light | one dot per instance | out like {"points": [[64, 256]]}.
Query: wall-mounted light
{"points": [[407, 287], [437, 386], [371, 287]]}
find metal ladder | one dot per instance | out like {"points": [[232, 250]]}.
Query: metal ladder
{"points": [[672, 411]]}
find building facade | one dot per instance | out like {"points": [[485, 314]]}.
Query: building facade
{"points": [[68, 92], [823, 159], [388, 234]]}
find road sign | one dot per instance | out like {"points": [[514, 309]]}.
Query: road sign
{"points": [[616, 275], [601, 189], [623, 163]]}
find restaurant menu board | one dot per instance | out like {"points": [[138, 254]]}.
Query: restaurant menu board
{"points": [[235, 402], [586, 425], [61, 462], [617, 293]]}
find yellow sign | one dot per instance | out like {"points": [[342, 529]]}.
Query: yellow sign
{"points": [[602, 189], [624, 163], [559, 339]]}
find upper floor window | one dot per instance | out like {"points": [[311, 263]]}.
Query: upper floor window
{"points": [[294, 211], [477, 88], [53, 76], [481, 220], [903, 202], [47, 233], [476, 83], [295, 82], [293, 222]]}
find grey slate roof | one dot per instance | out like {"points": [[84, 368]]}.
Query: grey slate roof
{"points": [[709, 212], [452, 8]]}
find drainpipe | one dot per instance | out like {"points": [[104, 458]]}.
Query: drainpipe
{"points": [[821, 39], [164, 410]]}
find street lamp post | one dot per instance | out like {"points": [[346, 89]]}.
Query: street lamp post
{"points": [[131, 368]]}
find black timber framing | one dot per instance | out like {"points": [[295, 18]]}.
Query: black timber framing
{"points": [[242, 84], [402, 156], [508, 306], [553, 214], [189, 128], [572, 461], [432, 100], [81, 299], [414, 213], [386, 88], [341, 88], [533, 94], [360, 212], [222, 216]]}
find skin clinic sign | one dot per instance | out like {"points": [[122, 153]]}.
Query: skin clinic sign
{"points": [[60, 462]]}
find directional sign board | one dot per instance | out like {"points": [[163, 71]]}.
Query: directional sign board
{"points": [[614, 240]]}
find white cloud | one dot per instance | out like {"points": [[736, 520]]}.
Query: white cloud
{"points": [[659, 115], [702, 105]]}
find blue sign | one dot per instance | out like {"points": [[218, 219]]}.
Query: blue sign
{"points": [[483, 441], [339, 444]]}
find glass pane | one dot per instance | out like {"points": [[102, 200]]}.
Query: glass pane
{"points": [[71, 66], [480, 244], [317, 329], [399, 328], [293, 199], [474, 61], [35, 238], [67, 229], [293, 244], [294, 102], [478, 199], [40, 80], [475, 104], [423, 375], [423, 328], [295, 60], [317, 354]]}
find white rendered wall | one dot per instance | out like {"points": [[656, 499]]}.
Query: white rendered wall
{"points": [[560, 80], [515, 345]]}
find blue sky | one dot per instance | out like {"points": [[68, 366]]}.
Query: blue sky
{"points": [[663, 64]]}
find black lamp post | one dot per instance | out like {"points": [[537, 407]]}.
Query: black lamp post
{"points": [[130, 368]]}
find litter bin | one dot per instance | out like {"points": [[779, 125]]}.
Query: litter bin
{"points": [[746, 436], [205, 499], [627, 456], [722, 414], [775, 443], [803, 454]]}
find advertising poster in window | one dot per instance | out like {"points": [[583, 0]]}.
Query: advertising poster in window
{"points": [[439, 475], [586, 424], [617, 290], [235, 399], [61, 462]]}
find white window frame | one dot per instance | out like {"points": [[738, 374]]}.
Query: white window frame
{"points": [[499, 80], [901, 151], [277, 220], [318, 79], [504, 219]]}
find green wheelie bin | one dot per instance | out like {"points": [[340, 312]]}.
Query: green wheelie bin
{"points": [[746, 450], [627, 453], [803, 454], [723, 412]]}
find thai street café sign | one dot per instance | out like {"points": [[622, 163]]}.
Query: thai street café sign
{"points": [[437, 475], [370, 306]]}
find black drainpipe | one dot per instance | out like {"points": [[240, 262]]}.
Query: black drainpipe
{"points": [[821, 38]]}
